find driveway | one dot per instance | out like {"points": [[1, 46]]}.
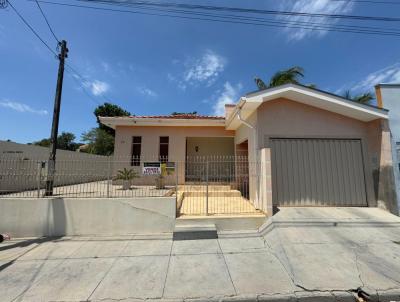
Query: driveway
{"points": [[301, 254]]}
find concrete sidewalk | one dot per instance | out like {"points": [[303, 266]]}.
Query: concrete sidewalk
{"points": [[297, 256]]}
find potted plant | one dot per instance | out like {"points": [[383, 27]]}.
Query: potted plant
{"points": [[126, 175], [160, 180]]}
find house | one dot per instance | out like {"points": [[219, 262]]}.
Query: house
{"points": [[303, 147]]}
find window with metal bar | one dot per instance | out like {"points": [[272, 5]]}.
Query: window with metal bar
{"points": [[163, 153], [136, 150]]}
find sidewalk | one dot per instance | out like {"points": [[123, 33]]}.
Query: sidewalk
{"points": [[313, 266]]}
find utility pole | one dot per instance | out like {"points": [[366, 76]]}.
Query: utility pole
{"points": [[56, 116]]}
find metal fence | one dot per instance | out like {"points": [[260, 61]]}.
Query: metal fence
{"points": [[217, 185], [207, 185]]}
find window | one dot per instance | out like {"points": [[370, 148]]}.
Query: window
{"points": [[136, 150], [164, 141]]}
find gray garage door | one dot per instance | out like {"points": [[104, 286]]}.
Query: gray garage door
{"points": [[318, 172]]}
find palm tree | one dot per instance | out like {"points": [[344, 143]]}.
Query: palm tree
{"points": [[363, 98], [126, 175], [291, 75]]}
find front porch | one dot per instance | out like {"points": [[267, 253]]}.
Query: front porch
{"points": [[216, 178], [213, 199]]}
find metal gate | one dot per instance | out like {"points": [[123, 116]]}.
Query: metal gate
{"points": [[215, 185], [318, 172]]}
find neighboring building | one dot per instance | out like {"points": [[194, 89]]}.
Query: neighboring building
{"points": [[308, 147], [388, 96]]}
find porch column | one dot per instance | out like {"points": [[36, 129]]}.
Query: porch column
{"points": [[266, 181]]}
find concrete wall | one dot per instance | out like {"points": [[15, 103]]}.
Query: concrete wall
{"points": [[286, 118], [20, 167], [242, 134], [95, 216], [150, 143], [15, 150], [389, 95]]}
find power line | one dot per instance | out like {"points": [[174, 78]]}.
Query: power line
{"points": [[32, 29], [367, 1], [312, 25], [3, 3], [257, 22], [83, 79], [74, 76], [75, 73], [47, 22], [243, 10], [364, 1]]}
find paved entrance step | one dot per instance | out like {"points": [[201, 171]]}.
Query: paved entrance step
{"points": [[203, 188], [193, 232], [224, 222], [220, 193]]}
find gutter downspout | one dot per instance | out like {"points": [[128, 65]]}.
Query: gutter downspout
{"points": [[239, 116]]}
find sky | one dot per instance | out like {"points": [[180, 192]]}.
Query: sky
{"points": [[153, 65]]}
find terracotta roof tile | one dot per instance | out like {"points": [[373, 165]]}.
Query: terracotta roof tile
{"points": [[181, 116]]}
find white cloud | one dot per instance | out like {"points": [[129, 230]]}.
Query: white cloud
{"points": [[204, 69], [228, 95], [315, 7], [20, 107], [97, 87], [147, 92], [390, 74]]}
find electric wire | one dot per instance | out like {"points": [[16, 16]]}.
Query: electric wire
{"points": [[47, 22], [71, 70], [32, 29], [222, 19], [75, 77], [311, 25], [242, 10]]}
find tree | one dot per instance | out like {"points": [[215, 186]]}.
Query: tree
{"points": [[364, 98], [292, 75], [43, 142], [65, 141], [108, 109], [99, 141], [260, 83]]}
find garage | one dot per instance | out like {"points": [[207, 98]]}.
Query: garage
{"points": [[317, 172]]}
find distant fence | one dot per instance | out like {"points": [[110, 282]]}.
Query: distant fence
{"points": [[23, 167], [24, 175]]}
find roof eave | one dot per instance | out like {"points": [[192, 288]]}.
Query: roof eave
{"points": [[113, 122], [308, 96]]}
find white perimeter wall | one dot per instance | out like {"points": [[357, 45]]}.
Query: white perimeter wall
{"points": [[391, 101], [94, 216], [19, 167]]}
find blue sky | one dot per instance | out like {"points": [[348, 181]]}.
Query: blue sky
{"points": [[155, 65]]}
